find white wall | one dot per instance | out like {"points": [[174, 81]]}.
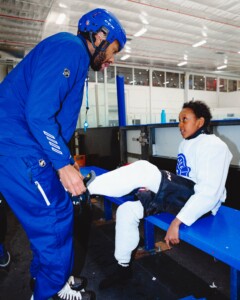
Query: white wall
{"points": [[145, 103], [137, 103], [229, 99], [169, 99], [211, 98]]}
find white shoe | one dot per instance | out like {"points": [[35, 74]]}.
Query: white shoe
{"points": [[67, 293]]}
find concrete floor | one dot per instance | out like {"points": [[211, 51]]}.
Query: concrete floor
{"points": [[166, 275]]}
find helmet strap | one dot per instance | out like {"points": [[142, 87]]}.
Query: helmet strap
{"points": [[99, 49], [102, 47]]}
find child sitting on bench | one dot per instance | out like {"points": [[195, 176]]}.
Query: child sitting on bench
{"points": [[197, 189]]}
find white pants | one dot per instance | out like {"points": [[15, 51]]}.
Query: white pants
{"points": [[121, 182]]}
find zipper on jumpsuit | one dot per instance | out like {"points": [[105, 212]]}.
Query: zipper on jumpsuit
{"points": [[42, 192]]}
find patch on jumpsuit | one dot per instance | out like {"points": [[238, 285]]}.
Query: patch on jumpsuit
{"points": [[66, 73]]}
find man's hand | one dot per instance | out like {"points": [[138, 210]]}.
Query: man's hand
{"points": [[172, 235], [76, 166], [72, 180]]}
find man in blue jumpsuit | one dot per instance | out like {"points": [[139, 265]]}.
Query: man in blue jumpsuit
{"points": [[40, 100]]}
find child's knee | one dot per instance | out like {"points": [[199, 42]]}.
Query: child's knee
{"points": [[143, 165], [130, 210]]}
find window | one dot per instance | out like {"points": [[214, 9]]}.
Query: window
{"points": [[91, 75], [127, 73], [110, 75], [190, 82], [158, 78], [232, 85], [182, 81], [100, 76], [211, 84], [172, 80], [141, 77], [199, 82], [222, 85]]}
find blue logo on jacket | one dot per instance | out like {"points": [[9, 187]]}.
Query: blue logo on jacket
{"points": [[182, 168]]}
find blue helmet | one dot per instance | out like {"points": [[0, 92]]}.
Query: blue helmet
{"points": [[102, 19]]}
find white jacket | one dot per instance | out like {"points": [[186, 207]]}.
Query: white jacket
{"points": [[205, 160]]}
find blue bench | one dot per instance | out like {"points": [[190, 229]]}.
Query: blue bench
{"points": [[192, 298], [107, 201], [218, 236]]}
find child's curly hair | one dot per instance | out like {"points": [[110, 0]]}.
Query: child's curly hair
{"points": [[200, 109]]}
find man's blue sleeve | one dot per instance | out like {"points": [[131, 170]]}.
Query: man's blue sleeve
{"points": [[58, 71]]}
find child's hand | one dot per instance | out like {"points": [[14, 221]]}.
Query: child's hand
{"points": [[172, 235]]}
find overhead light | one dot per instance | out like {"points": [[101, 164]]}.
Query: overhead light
{"points": [[182, 63], [124, 57], [62, 5], [141, 32], [166, 82], [60, 19], [199, 43], [127, 49], [143, 19], [222, 67]]}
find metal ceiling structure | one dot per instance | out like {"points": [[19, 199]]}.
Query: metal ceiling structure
{"points": [[173, 27]]}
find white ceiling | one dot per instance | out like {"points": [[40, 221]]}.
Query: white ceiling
{"points": [[173, 27]]}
